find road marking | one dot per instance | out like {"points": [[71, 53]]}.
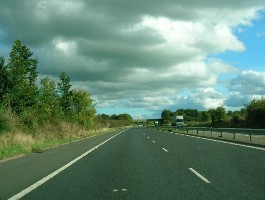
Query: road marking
{"points": [[124, 190], [224, 142], [165, 150], [115, 190], [148, 137], [154, 142], [45, 179], [199, 175]]}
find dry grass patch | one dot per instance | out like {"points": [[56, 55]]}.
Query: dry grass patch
{"points": [[19, 141]]}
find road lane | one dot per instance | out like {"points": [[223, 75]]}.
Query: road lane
{"points": [[128, 167], [236, 172], [18, 174], [132, 166]]}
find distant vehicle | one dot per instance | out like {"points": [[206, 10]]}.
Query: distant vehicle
{"points": [[177, 120]]}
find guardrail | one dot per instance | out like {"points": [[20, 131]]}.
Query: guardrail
{"points": [[249, 132]]}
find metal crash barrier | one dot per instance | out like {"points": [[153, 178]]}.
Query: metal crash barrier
{"points": [[234, 131]]}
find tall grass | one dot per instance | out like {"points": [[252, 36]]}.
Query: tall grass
{"points": [[20, 139]]}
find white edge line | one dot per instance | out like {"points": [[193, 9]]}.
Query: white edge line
{"points": [[45, 179], [209, 139], [165, 150], [199, 175]]}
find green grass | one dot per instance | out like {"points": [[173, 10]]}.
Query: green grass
{"points": [[40, 145], [13, 151]]}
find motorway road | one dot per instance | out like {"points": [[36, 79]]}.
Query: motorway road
{"points": [[140, 163]]}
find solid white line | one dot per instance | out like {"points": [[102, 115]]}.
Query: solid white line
{"points": [[165, 150], [199, 175], [43, 180], [231, 143]]}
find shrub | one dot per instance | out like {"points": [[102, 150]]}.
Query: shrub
{"points": [[4, 123]]}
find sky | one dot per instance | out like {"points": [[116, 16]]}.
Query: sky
{"points": [[140, 56]]}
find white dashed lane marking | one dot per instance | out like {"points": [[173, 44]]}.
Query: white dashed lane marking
{"points": [[199, 175], [117, 190]]}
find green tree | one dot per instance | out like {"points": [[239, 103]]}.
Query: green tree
{"points": [[82, 108], [256, 112], [212, 113], [65, 92], [217, 115], [105, 117], [220, 114], [191, 114], [204, 116], [22, 74], [166, 116], [3, 79], [48, 104], [180, 112]]}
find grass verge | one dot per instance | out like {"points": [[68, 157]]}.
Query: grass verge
{"points": [[19, 141]]}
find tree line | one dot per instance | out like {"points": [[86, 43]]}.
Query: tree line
{"points": [[115, 120], [44, 102], [40, 102], [251, 115]]}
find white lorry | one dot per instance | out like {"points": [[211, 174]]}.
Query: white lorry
{"points": [[177, 120]]}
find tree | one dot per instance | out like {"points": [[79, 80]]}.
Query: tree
{"points": [[212, 113], [191, 114], [180, 112], [105, 117], [256, 112], [166, 116], [3, 79], [48, 103], [21, 68], [204, 116], [217, 115], [220, 114], [82, 108], [65, 92]]}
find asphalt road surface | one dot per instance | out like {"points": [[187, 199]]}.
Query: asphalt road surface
{"points": [[138, 163]]}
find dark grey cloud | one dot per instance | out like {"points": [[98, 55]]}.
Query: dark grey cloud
{"points": [[237, 100], [249, 82]]}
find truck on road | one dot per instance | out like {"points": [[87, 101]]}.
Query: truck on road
{"points": [[177, 120]]}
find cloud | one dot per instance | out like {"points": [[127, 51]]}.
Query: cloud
{"points": [[134, 53], [237, 100], [249, 82]]}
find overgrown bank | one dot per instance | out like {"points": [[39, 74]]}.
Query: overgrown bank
{"points": [[38, 114], [19, 139]]}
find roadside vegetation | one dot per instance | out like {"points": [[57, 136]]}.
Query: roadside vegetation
{"points": [[251, 116], [35, 115]]}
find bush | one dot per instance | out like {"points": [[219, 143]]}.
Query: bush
{"points": [[4, 123], [256, 112]]}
